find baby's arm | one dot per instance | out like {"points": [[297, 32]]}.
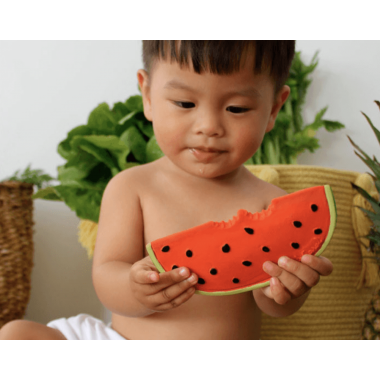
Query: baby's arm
{"points": [[122, 277], [290, 284]]}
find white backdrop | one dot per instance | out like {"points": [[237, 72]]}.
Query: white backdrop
{"points": [[49, 87]]}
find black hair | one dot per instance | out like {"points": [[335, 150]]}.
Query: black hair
{"points": [[223, 57]]}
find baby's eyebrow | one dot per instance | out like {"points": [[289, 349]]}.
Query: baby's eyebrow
{"points": [[250, 92], [174, 84]]}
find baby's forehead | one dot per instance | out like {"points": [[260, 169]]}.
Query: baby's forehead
{"points": [[176, 67], [207, 60]]}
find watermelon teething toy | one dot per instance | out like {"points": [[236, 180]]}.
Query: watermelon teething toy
{"points": [[228, 256]]}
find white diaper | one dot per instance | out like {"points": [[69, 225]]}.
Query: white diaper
{"points": [[84, 327]]}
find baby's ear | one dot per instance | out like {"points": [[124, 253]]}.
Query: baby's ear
{"points": [[143, 79], [280, 100]]}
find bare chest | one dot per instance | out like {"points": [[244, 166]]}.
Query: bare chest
{"points": [[169, 211]]}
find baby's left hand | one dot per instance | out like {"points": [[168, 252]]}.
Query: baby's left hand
{"points": [[291, 278]]}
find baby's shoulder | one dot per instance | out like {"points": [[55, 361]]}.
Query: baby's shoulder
{"points": [[136, 175]]}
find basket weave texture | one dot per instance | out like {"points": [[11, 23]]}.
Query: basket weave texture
{"points": [[16, 248], [335, 308]]}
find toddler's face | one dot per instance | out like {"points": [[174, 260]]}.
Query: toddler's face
{"points": [[208, 124]]}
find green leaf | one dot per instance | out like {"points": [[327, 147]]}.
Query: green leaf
{"points": [[114, 145], [48, 193], [131, 164], [320, 114], [82, 130], [64, 147], [134, 103], [372, 216], [35, 177], [377, 133], [283, 120], [300, 142], [288, 108], [95, 145], [153, 151], [120, 110], [146, 128], [366, 159], [133, 139], [85, 202], [271, 154], [291, 82], [332, 125], [101, 120], [77, 167], [83, 184], [373, 202], [127, 117]]}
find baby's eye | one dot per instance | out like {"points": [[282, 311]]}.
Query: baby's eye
{"points": [[237, 109], [185, 104]]}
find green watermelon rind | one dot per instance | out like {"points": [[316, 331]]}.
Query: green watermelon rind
{"points": [[154, 259], [333, 217]]}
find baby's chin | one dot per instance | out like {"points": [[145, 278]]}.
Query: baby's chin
{"points": [[210, 171]]}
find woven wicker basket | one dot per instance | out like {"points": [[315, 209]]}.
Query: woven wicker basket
{"points": [[335, 307], [16, 248]]}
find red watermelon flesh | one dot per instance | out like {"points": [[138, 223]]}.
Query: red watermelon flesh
{"points": [[228, 256]]}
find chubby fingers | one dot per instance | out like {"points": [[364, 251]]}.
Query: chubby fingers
{"points": [[277, 291], [166, 297], [291, 278], [148, 274], [162, 291], [320, 264]]}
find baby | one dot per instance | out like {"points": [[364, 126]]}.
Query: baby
{"points": [[211, 103]]}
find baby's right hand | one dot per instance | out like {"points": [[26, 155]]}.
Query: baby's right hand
{"points": [[161, 291]]}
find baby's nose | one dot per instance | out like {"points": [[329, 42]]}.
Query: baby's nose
{"points": [[210, 125]]}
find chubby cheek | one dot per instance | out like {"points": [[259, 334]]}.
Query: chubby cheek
{"points": [[169, 138], [246, 144]]}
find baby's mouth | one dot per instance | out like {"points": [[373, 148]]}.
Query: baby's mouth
{"points": [[207, 150], [205, 154]]}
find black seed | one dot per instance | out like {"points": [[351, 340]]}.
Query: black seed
{"points": [[265, 249], [226, 248], [314, 207], [249, 230], [165, 249], [189, 253], [247, 263], [297, 224], [318, 231], [213, 271], [235, 280], [201, 281], [295, 245], [174, 267]]}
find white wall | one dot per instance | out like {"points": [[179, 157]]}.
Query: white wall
{"points": [[49, 87]]}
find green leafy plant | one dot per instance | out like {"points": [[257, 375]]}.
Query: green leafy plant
{"points": [[371, 326], [119, 138], [112, 140], [37, 177], [373, 164], [290, 137]]}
